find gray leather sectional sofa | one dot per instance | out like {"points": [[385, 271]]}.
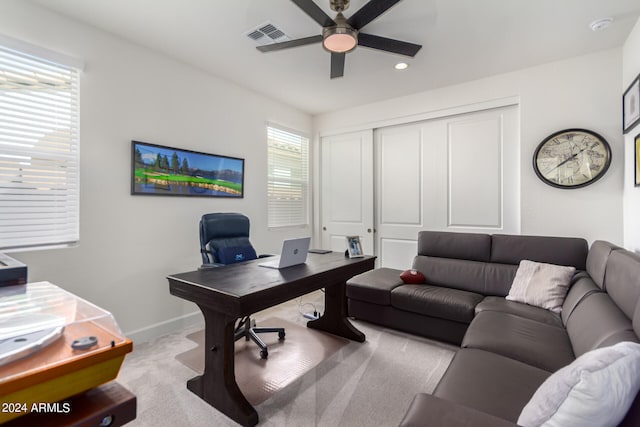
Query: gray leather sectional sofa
{"points": [[508, 348]]}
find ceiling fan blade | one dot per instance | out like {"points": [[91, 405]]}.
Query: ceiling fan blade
{"points": [[291, 43], [314, 11], [369, 12], [337, 64], [389, 45]]}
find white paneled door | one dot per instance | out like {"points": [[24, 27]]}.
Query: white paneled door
{"points": [[454, 173], [347, 190]]}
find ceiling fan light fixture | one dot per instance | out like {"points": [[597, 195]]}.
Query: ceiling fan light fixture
{"points": [[340, 40]]}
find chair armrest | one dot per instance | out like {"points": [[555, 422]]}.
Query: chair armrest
{"points": [[428, 410], [208, 266]]}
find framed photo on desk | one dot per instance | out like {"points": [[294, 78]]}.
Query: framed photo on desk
{"points": [[354, 247]]}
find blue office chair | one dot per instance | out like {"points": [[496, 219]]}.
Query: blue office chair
{"points": [[224, 240]]}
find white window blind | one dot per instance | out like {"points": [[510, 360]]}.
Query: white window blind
{"points": [[288, 178], [39, 151]]}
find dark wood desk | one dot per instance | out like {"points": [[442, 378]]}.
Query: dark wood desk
{"points": [[231, 292]]}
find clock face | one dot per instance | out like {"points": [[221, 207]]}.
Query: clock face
{"points": [[572, 158]]}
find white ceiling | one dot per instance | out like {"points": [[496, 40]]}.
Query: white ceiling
{"points": [[462, 40]]}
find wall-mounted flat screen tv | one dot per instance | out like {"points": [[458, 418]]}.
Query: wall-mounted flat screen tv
{"points": [[169, 171]]}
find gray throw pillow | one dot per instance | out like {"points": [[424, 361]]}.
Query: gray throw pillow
{"points": [[542, 285]]}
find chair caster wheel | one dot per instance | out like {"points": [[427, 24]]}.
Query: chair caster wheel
{"points": [[280, 336], [264, 354]]}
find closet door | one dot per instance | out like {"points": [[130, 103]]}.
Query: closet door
{"points": [[457, 173], [347, 190], [403, 169]]}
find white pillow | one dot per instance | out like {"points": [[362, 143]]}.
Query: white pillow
{"points": [[540, 284], [597, 389]]}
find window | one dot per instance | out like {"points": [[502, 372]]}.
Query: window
{"points": [[39, 149], [288, 178]]}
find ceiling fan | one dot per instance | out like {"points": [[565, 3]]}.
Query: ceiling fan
{"points": [[341, 35]]}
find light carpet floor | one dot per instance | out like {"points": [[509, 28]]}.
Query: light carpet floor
{"points": [[361, 384]]}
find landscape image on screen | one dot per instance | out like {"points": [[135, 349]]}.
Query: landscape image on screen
{"points": [[171, 171]]}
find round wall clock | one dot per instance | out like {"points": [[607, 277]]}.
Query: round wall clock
{"points": [[572, 158]]}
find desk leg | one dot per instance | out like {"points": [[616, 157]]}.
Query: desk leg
{"points": [[335, 319], [217, 385]]}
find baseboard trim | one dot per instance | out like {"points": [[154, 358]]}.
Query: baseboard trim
{"points": [[165, 327]]}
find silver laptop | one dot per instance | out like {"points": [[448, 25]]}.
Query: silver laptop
{"points": [[294, 252]]}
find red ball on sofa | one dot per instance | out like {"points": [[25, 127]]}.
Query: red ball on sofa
{"points": [[412, 277]]}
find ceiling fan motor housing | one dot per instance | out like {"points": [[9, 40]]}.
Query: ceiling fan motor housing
{"points": [[339, 5]]}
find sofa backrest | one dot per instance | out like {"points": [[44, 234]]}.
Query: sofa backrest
{"points": [[511, 249], [582, 286], [484, 278], [461, 261], [608, 310], [597, 260], [591, 280], [622, 280], [487, 264], [603, 307], [445, 244], [598, 322]]}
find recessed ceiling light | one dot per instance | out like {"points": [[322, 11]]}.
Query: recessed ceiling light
{"points": [[600, 24], [401, 66]]}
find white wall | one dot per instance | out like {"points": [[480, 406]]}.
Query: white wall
{"points": [[581, 92], [129, 244], [630, 70]]}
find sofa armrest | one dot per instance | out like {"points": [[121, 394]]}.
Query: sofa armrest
{"points": [[380, 277], [374, 286], [429, 410]]}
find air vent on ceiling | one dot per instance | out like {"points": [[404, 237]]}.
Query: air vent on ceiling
{"points": [[267, 33]]}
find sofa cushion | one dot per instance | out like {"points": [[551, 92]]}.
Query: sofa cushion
{"points": [[538, 344], [473, 276], [596, 389], [597, 260], [523, 310], [444, 244], [622, 280], [511, 249], [489, 382], [541, 285], [374, 285], [436, 301], [440, 412], [598, 322]]}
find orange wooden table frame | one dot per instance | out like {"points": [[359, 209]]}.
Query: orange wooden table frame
{"points": [[57, 372]]}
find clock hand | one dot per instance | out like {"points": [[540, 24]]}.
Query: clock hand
{"points": [[568, 159]]}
